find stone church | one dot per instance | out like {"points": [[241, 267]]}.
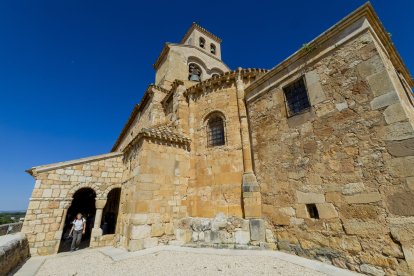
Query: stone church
{"points": [[314, 157]]}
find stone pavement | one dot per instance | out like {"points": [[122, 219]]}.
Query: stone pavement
{"points": [[175, 260]]}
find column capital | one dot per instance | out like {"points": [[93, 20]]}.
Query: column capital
{"points": [[100, 203]]}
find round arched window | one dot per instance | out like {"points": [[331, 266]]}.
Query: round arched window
{"points": [[213, 49], [215, 131], [202, 42], [194, 72]]}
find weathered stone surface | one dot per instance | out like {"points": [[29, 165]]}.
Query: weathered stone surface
{"points": [[257, 230], [363, 198], [362, 228], [157, 230], [402, 166], [140, 231], [326, 210], [242, 237], [353, 188], [135, 245], [371, 270], [399, 131], [401, 204], [310, 197], [404, 232], [401, 148], [315, 90], [380, 83], [150, 242], [14, 250], [408, 249], [394, 113], [384, 100]]}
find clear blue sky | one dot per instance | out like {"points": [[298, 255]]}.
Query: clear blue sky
{"points": [[71, 70]]}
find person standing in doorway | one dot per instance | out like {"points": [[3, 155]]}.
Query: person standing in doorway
{"points": [[78, 229]]}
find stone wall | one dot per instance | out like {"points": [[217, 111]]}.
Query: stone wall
{"points": [[224, 232], [349, 156], [217, 171], [14, 250], [10, 228], [150, 113], [51, 197], [153, 194]]}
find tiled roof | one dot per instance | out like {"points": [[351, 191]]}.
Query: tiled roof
{"points": [[164, 132]]}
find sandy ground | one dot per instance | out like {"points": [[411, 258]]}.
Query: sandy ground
{"points": [[88, 262]]}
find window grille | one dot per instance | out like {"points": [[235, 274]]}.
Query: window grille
{"points": [[296, 97], [215, 132]]}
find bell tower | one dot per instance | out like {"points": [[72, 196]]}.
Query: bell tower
{"points": [[196, 58]]}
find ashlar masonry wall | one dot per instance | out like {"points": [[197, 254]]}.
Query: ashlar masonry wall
{"points": [[154, 193], [348, 155], [216, 171], [52, 195]]}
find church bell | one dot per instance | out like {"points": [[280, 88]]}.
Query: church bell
{"points": [[194, 77]]}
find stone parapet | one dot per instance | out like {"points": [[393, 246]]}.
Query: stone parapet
{"points": [[14, 249]]}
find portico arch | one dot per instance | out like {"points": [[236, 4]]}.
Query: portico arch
{"points": [[83, 201]]}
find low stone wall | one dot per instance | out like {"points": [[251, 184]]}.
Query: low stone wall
{"points": [[10, 228], [224, 232], [14, 249]]}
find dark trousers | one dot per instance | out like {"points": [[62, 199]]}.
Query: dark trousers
{"points": [[77, 236]]}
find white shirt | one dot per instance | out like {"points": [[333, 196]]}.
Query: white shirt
{"points": [[78, 224]]}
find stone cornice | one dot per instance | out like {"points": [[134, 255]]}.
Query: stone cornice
{"points": [[225, 78], [44, 168], [365, 11], [195, 26], [137, 108]]}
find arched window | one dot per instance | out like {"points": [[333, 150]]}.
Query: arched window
{"points": [[213, 49], [215, 75], [194, 72], [215, 131], [202, 42]]}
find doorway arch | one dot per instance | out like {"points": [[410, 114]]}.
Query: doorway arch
{"points": [[110, 212], [83, 202]]}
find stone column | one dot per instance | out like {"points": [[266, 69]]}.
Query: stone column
{"points": [[252, 202], [97, 231]]}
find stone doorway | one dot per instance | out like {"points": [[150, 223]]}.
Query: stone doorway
{"points": [[110, 212], [83, 202]]}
